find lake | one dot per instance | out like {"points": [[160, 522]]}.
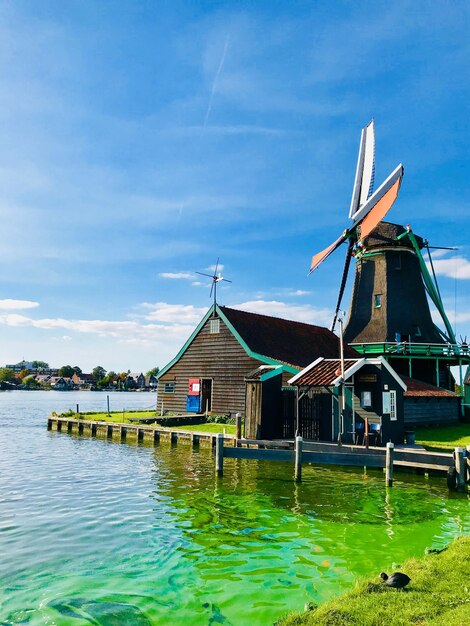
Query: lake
{"points": [[101, 532]]}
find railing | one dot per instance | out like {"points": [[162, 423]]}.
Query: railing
{"points": [[456, 465], [405, 348]]}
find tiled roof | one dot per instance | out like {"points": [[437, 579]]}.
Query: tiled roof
{"points": [[324, 373], [418, 388], [293, 343]]}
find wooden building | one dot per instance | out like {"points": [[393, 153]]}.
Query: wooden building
{"points": [[426, 405], [374, 401], [209, 371]]}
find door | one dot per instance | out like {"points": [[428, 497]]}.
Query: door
{"points": [[206, 395]]}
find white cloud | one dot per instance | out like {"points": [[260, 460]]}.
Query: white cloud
{"points": [[173, 313], [297, 312], [177, 275], [213, 268], [455, 267], [12, 305]]}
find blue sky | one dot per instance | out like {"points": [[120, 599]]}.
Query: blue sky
{"points": [[142, 140]]}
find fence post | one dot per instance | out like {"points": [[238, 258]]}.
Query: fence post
{"points": [[238, 427], [460, 468], [219, 454], [389, 464], [298, 459], [468, 463]]}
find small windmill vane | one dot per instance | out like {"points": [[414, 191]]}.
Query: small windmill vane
{"points": [[367, 208], [216, 278]]}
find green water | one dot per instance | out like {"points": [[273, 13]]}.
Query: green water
{"points": [[99, 532]]}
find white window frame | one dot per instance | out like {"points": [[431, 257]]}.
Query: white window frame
{"points": [[366, 399], [214, 326], [393, 405]]}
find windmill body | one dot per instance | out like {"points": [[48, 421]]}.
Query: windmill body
{"points": [[389, 302]]}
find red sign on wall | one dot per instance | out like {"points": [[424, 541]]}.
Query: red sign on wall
{"points": [[194, 387]]}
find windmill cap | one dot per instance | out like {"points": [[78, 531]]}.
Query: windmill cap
{"points": [[386, 235]]}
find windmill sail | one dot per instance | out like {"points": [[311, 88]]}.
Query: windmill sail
{"points": [[367, 209], [378, 212], [365, 170], [324, 254], [378, 199]]}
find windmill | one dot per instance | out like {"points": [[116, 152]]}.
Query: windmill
{"points": [[367, 207], [389, 312], [216, 278]]}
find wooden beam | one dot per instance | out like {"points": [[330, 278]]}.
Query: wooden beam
{"points": [[298, 459], [219, 455], [389, 464]]}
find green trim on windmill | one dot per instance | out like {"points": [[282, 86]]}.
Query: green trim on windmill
{"points": [[431, 287]]}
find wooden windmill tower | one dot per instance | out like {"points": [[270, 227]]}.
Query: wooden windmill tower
{"points": [[389, 313]]}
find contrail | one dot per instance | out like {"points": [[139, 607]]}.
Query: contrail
{"points": [[214, 84]]}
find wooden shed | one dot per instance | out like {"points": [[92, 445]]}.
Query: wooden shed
{"points": [[209, 371], [373, 400], [427, 405]]}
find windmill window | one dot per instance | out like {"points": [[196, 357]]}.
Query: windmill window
{"points": [[169, 387], [214, 327], [398, 261], [378, 300], [416, 331]]}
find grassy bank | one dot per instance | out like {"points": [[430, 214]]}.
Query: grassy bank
{"points": [[444, 438], [438, 595], [131, 417]]}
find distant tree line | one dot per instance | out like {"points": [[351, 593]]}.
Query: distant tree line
{"points": [[101, 379]]}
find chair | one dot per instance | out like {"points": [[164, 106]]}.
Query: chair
{"points": [[359, 432], [375, 433]]}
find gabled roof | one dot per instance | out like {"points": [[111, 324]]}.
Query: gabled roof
{"points": [[326, 372], [286, 341], [272, 340], [321, 372]]}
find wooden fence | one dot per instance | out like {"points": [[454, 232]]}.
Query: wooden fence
{"points": [[456, 465]]}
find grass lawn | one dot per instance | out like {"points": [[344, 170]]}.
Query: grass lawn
{"points": [[208, 428], [129, 416], [115, 416], [444, 438], [438, 595]]}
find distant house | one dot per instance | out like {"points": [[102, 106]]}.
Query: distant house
{"points": [[22, 365], [42, 378], [61, 383], [137, 378], [209, 371], [151, 382], [83, 380]]}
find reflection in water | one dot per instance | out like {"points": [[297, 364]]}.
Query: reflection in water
{"points": [[99, 532]]}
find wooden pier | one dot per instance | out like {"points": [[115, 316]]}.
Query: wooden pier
{"points": [[455, 466], [122, 431]]}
